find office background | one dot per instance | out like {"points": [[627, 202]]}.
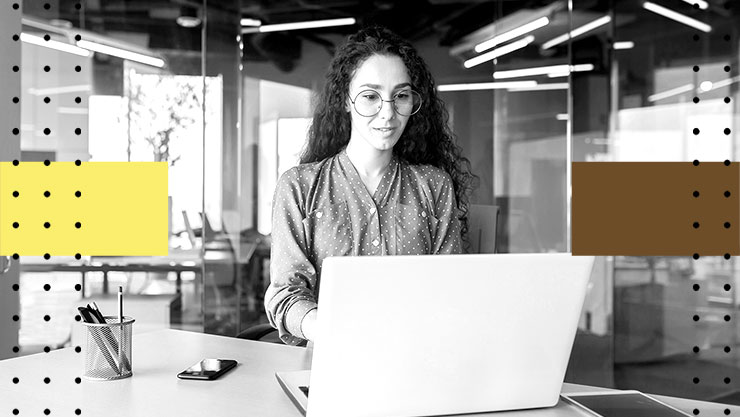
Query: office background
{"points": [[227, 106]]}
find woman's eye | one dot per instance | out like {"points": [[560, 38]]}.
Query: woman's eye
{"points": [[370, 97], [403, 95]]}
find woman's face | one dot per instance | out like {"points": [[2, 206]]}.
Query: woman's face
{"points": [[386, 75]]}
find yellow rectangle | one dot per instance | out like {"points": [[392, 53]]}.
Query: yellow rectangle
{"points": [[122, 209]]}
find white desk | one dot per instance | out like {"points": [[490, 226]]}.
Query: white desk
{"points": [[154, 390]]}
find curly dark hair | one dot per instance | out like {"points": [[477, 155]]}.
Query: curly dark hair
{"points": [[427, 138]]}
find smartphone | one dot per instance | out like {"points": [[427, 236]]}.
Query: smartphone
{"points": [[208, 369], [622, 404]]}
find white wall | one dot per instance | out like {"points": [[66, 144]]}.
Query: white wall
{"points": [[276, 102]]}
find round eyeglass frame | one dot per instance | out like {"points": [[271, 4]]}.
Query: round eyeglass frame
{"points": [[395, 108]]}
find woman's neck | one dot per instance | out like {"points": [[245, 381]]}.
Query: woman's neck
{"points": [[368, 161]]}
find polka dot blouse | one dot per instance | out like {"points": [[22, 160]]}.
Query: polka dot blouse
{"points": [[323, 209]]}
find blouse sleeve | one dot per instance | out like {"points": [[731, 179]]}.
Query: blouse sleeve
{"points": [[291, 294], [447, 238]]}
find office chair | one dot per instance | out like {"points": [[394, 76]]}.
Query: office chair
{"points": [[259, 332], [482, 224], [263, 332]]}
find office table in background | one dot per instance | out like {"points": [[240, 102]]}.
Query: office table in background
{"points": [[154, 389]]}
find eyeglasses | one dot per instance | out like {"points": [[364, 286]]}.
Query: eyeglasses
{"points": [[369, 102]]}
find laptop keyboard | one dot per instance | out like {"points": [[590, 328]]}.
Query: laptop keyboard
{"points": [[304, 390]]}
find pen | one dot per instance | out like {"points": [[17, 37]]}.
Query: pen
{"points": [[108, 333], [87, 315]]}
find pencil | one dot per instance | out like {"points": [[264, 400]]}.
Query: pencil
{"points": [[120, 334]]}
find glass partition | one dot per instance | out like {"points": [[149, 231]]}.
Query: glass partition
{"points": [[115, 82], [530, 87], [662, 70]]}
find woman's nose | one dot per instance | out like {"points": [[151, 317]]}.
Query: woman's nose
{"points": [[386, 110]]}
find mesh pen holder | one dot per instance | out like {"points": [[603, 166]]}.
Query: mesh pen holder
{"points": [[108, 353]]}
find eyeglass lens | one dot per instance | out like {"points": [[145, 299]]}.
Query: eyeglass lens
{"points": [[369, 102]]}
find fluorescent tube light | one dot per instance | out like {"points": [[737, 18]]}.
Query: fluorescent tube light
{"points": [[573, 68], [302, 25], [556, 70], [514, 33], [525, 72], [670, 93], [582, 67], [541, 87], [624, 45], [701, 3], [577, 32], [72, 110], [489, 56], [121, 53], [59, 46], [678, 17], [726, 82], [250, 22], [486, 86], [59, 90]]}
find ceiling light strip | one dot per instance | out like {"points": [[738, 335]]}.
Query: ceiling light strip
{"points": [[52, 44], [623, 45], [490, 56], [486, 86], [678, 17], [514, 33], [302, 25], [551, 70], [701, 3], [541, 87], [588, 27], [670, 93], [121, 53], [250, 22], [59, 90]]}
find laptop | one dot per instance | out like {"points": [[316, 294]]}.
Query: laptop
{"points": [[433, 335]]}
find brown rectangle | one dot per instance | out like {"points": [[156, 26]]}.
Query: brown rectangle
{"points": [[649, 208]]}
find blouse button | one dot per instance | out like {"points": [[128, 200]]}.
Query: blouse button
{"points": [[423, 214], [376, 242], [372, 210], [319, 214]]}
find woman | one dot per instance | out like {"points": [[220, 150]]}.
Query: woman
{"points": [[380, 175]]}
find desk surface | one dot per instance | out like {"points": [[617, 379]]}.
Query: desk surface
{"points": [[154, 390]]}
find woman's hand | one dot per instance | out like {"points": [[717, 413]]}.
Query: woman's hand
{"points": [[308, 325]]}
